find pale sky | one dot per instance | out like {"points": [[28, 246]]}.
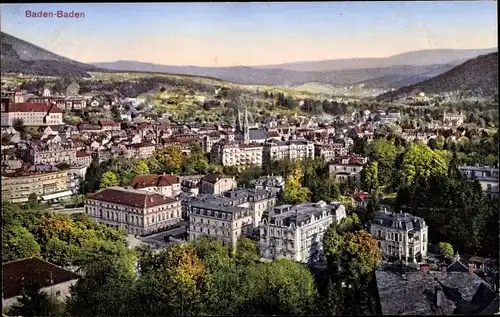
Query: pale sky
{"points": [[232, 34]]}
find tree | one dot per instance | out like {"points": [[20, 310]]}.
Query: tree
{"points": [[293, 192], [369, 178], [73, 89], [109, 179], [36, 303], [18, 243], [446, 249], [19, 126], [420, 160], [169, 159], [246, 251], [140, 168]]}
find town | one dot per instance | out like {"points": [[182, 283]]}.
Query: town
{"points": [[157, 193]]}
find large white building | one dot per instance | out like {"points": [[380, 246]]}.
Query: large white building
{"points": [[31, 114], [291, 150], [487, 177], [232, 154], [227, 217], [400, 235], [135, 211], [348, 168], [296, 232]]}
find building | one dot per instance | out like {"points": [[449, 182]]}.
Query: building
{"points": [[31, 114], [400, 235], [330, 151], [227, 217], [141, 150], [296, 232], [166, 185], [18, 275], [433, 292], [83, 158], [110, 125], [135, 211], [270, 183], [487, 177], [242, 133], [348, 168], [453, 119], [233, 154], [216, 184], [53, 153], [290, 150], [46, 185]]}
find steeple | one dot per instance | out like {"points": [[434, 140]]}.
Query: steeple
{"points": [[238, 121], [246, 134]]}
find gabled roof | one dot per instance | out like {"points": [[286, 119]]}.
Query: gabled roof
{"points": [[33, 107], [35, 270], [154, 180], [131, 197]]}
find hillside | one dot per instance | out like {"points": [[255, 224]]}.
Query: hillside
{"points": [[279, 77], [18, 56], [415, 58], [479, 74]]}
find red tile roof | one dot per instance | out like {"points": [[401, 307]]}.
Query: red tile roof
{"points": [[109, 123], [33, 269], [154, 180], [132, 198], [33, 107], [214, 178]]}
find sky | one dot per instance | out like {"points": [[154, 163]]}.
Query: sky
{"points": [[250, 34]]}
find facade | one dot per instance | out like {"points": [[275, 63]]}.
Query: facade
{"points": [[487, 177], [348, 169], [135, 211], [47, 185], [53, 153], [141, 150], [110, 126], [330, 151], [232, 154], [270, 183], [453, 119], [216, 184], [227, 217], [32, 114], [296, 232], [291, 150], [166, 185], [400, 235], [83, 158], [54, 280]]}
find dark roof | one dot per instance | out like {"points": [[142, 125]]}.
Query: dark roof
{"points": [[131, 197], [154, 180], [35, 270], [33, 107], [398, 220], [257, 134], [214, 178]]}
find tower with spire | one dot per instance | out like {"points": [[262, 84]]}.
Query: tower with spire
{"points": [[246, 129], [242, 135]]}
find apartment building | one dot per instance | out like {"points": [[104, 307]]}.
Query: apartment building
{"points": [[400, 235], [53, 153], [453, 119], [330, 151], [232, 154], [110, 126], [291, 150], [216, 184], [487, 177], [141, 150], [166, 185], [295, 232], [31, 114], [348, 168], [47, 185], [135, 211], [227, 217], [273, 183]]}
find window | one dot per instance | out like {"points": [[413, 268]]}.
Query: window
{"points": [[58, 293]]}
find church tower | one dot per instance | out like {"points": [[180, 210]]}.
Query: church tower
{"points": [[246, 129]]}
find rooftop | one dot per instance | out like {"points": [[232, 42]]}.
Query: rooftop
{"points": [[301, 213], [432, 293], [37, 270], [398, 220], [154, 180], [131, 197]]}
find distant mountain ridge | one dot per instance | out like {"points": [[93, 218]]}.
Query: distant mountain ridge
{"points": [[479, 74], [415, 58], [18, 56]]}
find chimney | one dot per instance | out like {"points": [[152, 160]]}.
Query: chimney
{"points": [[437, 296], [424, 267], [443, 267], [471, 268]]}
